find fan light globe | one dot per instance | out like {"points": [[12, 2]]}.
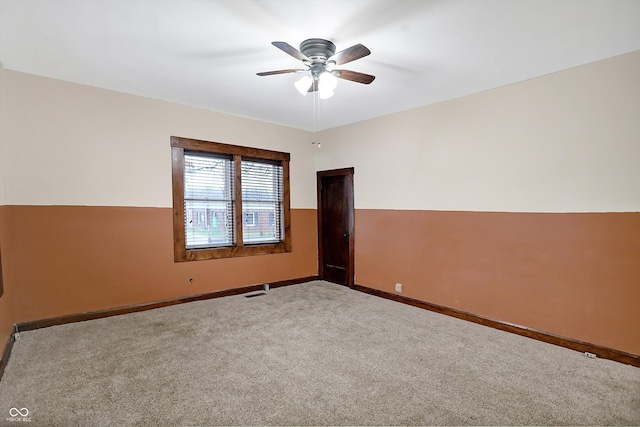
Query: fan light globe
{"points": [[327, 81], [303, 84], [324, 94]]}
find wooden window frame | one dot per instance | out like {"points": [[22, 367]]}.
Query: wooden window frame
{"points": [[181, 253]]}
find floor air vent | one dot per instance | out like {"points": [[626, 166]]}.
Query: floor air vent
{"points": [[255, 295]]}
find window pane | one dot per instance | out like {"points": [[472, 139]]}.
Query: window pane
{"points": [[263, 229], [207, 178], [208, 201], [208, 224], [262, 195]]}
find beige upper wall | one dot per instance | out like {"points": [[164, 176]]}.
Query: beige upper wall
{"points": [[71, 144], [3, 142], [569, 141]]}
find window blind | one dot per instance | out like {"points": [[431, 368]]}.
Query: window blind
{"points": [[262, 201], [209, 199]]}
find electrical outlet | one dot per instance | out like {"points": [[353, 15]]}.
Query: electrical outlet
{"points": [[399, 288], [590, 355]]}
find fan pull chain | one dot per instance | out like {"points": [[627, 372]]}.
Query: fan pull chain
{"points": [[316, 117]]}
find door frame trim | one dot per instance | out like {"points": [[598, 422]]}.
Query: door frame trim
{"points": [[348, 172]]}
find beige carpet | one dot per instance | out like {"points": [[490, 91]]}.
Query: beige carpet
{"points": [[309, 354]]}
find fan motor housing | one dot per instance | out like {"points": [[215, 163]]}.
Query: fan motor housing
{"points": [[318, 49]]}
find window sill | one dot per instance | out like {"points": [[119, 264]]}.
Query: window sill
{"points": [[232, 252]]}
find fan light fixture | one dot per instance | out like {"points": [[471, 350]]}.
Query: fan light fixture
{"points": [[327, 82]]}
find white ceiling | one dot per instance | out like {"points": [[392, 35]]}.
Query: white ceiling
{"points": [[206, 53]]}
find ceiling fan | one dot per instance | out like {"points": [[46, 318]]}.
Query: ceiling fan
{"points": [[319, 56]]}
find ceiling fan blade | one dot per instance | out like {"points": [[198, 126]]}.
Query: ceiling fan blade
{"points": [[350, 54], [287, 48], [271, 73], [354, 76]]}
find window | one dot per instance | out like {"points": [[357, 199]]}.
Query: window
{"points": [[228, 200]]}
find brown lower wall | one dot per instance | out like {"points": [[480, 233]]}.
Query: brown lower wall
{"points": [[74, 259], [6, 308], [576, 275]]}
